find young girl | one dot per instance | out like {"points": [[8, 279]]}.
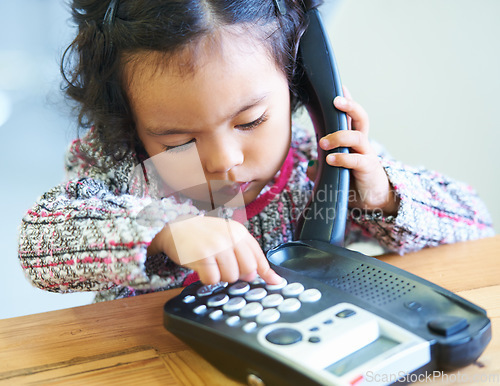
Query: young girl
{"points": [[215, 79]]}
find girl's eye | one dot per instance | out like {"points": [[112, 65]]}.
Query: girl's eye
{"points": [[253, 124], [179, 148]]}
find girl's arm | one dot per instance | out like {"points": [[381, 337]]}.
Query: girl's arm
{"points": [[90, 234], [80, 236]]}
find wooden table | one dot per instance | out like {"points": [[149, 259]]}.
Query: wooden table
{"points": [[124, 342]]}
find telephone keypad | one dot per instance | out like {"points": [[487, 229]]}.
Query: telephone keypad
{"points": [[250, 305]]}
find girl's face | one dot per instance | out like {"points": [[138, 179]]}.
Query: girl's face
{"points": [[229, 119]]}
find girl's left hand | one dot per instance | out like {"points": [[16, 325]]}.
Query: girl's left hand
{"points": [[370, 187]]}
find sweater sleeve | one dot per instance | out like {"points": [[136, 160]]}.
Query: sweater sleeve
{"points": [[433, 210], [90, 234]]}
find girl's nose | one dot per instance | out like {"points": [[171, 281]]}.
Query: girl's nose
{"points": [[222, 157]]}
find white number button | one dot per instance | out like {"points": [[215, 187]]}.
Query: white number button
{"points": [[268, 316], [216, 315], [249, 327], [273, 300], [293, 289], [255, 294], [310, 296], [233, 320], [289, 305], [200, 310], [217, 300], [189, 299], [209, 289], [234, 304], [239, 288], [251, 310], [279, 286]]}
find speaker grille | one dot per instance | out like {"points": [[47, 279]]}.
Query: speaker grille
{"points": [[374, 285]]}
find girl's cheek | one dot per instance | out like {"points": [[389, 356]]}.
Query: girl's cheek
{"points": [[179, 170]]}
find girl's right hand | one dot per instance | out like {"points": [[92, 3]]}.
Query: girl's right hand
{"points": [[216, 248]]}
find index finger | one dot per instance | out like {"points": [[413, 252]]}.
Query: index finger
{"points": [[263, 268]]}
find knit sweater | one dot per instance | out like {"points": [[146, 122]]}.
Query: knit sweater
{"points": [[91, 233]]}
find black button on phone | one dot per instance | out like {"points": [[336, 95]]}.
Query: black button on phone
{"points": [[345, 313], [447, 325]]}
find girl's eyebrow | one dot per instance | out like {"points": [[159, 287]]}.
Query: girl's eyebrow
{"points": [[158, 132]]}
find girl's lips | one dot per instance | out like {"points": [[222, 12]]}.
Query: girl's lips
{"points": [[234, 188], [244, 186]]}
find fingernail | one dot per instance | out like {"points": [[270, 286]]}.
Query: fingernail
{"points": [[277, 278], [330, 158], [340, 101], [323, 143]]}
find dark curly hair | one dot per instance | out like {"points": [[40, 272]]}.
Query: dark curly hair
{"points": [[92, 65]]}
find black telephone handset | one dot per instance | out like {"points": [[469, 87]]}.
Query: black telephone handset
{"points": [[325, 215], [339, 317]]}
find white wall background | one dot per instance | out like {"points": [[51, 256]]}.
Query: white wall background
{"points": [[426, 72], [35, 127]]}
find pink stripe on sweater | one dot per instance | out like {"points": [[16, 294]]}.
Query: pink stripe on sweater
{"points": [[456, 218], [86, 260], [45, 214], [256, 206]]}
